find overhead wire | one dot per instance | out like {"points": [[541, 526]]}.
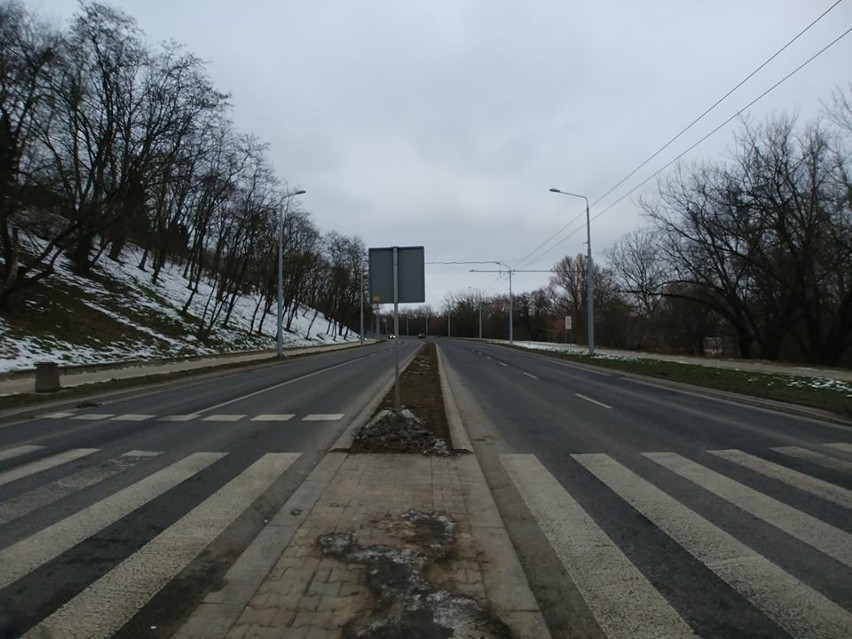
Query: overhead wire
{"points": [[554, 239], [726, 122]]}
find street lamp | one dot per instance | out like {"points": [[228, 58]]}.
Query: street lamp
{"points": [[285, 196], [590, 278]]}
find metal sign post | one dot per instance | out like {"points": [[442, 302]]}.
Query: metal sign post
{"points": [[397, 274], [396, 326]]}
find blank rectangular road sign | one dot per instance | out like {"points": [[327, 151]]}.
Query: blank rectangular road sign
{"points": [[412, 279]]}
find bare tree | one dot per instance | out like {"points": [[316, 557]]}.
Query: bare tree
{"points": [[28, 59], [759, 240]]}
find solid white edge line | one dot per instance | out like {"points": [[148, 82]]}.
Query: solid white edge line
{"points": [[281, 385]]}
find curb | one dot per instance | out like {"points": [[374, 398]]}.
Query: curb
{"points": [[458, 434], [219, 610], [506, 583]]}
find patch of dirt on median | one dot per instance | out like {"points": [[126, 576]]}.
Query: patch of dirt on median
{"points": [[409, 605], [421, 425]]}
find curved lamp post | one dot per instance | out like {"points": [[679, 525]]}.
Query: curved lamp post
{"points": [[590, 277]]}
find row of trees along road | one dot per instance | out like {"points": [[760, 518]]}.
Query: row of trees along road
{"points": [[105, 140], [749, 256]]}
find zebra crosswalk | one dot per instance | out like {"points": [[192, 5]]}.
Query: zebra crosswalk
{"points": [[54, 504], [215, 417], [625, 603], [39, 535]]}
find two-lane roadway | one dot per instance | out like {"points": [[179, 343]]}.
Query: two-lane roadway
{"points": [[643, 511], [117, 518]]}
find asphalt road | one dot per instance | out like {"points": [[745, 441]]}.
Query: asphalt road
{"points": [[140, 486], [642, 511]]}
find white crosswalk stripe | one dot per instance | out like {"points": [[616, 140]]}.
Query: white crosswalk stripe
{"points": [[44, 464], [133, 582], [17, 451], [814, 457], [28, 554], [179, 418], [822, 536], [273, 418], [27, 502], [93, 417], [822, 489], [132, 417], [223, 418], [625, 604], [792, 604], [323, 417], [845, 447]]}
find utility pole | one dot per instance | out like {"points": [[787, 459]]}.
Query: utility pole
{"points": [[511, 271]]}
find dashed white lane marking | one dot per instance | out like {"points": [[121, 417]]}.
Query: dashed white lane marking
{"points": [[824, 537], [222, 418], [44, 464], [530, 375], [132, 417], [10, 453], [24, 503], [794, 478], [273, 418], [179, 418], [28, 554], [131, 584], [489, 357], [802, 611], [846, 447], [815, 458], [93, 417], [323, 417], [504, 364], [58, 415], [593, 401], [622, 600]]}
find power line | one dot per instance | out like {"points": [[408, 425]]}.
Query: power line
{"points": [[554, 238], [726, 122], [717, 103]]}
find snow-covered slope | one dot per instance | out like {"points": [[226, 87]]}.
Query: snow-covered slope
{"points": [[121, 294]]}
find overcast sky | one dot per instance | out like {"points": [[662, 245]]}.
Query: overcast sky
{"points": [[444, 123]]}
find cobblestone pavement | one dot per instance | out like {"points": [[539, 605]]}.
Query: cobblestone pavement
{"points": [[307, 594]]}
